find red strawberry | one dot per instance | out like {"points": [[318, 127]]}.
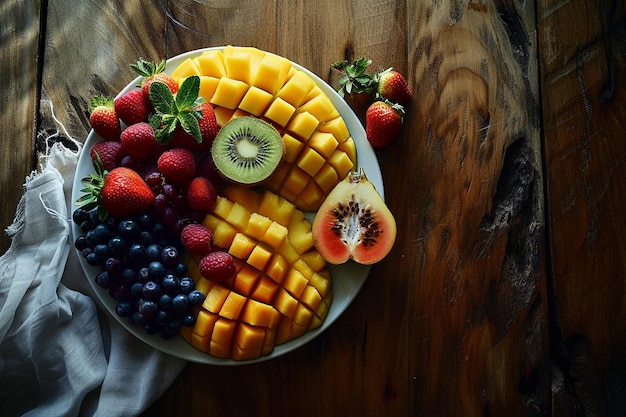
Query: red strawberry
{"points": [[208, 131], [138, 140], [131, 107], [392, 86], [120, 192], [197, 239], [201, 194], [110, 153], [217, 266], [383, 122], [177, 165], [151, 72], [103, 118]]}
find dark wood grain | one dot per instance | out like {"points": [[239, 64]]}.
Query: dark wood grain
{"points": [[582, 74], [19, 40], [504, 293]]}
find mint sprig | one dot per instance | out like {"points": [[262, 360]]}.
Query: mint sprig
{"points": [[172, 110], [354, 78]]}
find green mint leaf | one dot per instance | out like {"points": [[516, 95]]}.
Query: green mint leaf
{"points": [[162, 98], [189, 123], [188, 92], [155, 121]]}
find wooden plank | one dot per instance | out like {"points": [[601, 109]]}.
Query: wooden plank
{"points": [[18, 103], [477, 296], [584, 98]]}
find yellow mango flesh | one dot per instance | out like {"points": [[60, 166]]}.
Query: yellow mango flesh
{"points": [[247, 81], [282, 287]]}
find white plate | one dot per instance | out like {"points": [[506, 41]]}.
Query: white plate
{"points": [[347, 279]]}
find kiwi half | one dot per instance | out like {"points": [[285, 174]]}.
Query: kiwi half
{"points": [[247, 150]]}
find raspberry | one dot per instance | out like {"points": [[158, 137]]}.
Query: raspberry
{"points": [[110, 152], [217, 266], [197, 239]]}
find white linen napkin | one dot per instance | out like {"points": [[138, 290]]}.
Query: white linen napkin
{"points": [[60, 353]]}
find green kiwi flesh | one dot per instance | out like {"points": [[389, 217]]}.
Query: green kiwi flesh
{"points": [[247, 150]]}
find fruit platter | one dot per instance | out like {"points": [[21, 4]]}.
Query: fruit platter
{"points": [[241, 165]]}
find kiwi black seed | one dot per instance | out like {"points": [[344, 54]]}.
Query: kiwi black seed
{"points": [[247, 150]]}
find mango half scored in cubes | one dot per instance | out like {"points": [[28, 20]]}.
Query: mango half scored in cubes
{"points": [[245, 81], [282, 287]]}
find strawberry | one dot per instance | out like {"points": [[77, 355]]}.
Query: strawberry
{"points": [[383, 122], [138, 140], [151, 72], [120, 192], [208, 130], [197, 239], [217, 266], [103, 118], [177, 165], [201, 194], [110, 153], [356, 86], [131, 107], [392, 86]]}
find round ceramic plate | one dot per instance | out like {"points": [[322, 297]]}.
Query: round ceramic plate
{"points": [[347, 279]]}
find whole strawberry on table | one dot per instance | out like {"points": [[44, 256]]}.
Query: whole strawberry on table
{"points": [[382, 96], [145, 192]]}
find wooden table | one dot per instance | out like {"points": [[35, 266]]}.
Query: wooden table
{"points": [[505, 291]]}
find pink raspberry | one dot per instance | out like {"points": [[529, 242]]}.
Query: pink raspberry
{"points": [[197, 239], [217, 266]]}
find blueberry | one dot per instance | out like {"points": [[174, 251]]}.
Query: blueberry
{"points": [[92, 238], [170, 284], [113, 265], [170, 256], [165, 301], [156, 270], [86, 226], [153, 252], [104, 280], [180, 269], [189, 320], [151, 290], [128, 276], [173, 325], [85, 252], [179, 304], [81, 243], [136, 290], [162, 317], [143, 275], [148, 308], [195, 298], [118, 245], [124, 309], [102, 250], [80, 215], [186, 285], [128, 229], [137, 252], [102, 233], [94, 260]]}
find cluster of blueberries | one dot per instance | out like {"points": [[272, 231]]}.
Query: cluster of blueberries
{"points": [[139, 262]]}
